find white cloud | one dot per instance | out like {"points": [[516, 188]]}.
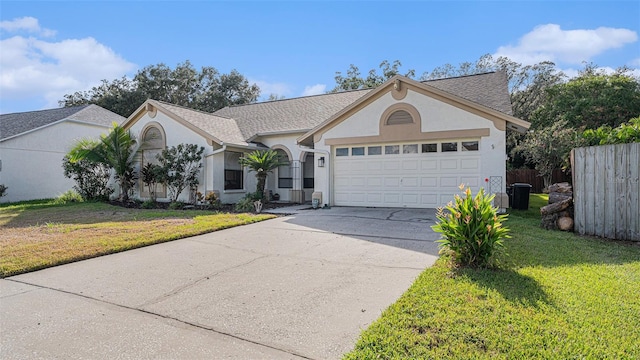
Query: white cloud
{"points": [[35, 68], [28, 24], [314, 89], [550, 43], [268, 88]]}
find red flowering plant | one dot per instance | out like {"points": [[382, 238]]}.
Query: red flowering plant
{"points": [[472, 231]]}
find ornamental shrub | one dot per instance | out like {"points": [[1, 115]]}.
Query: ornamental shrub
{"points": [[69, 196], [92, 179], [472, 231]]}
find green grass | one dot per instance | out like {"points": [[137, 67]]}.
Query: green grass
{"points": [[40, 234], [555, 296]]}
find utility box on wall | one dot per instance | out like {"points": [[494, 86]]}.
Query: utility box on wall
{"points": [[316, 199]]}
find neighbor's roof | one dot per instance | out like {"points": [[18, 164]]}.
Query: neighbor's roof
{"points": [[298, 114], [19, 123], [305, 113]]}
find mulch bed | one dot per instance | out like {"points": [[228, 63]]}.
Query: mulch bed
{"points": [[230, 208]]}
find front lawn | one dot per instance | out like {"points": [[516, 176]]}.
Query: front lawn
{"points": [[40, 234], [555, 296]]}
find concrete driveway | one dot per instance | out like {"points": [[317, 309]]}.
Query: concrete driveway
{"points": [[299, 286]]}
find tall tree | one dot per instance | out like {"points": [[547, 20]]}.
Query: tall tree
{"points": [[527, 83], [120, 96], [354, 81], [549, 148], [205, 89], [590, 100]]}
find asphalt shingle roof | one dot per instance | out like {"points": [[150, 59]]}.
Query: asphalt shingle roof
{"points": [[488, 89], [298, 114], [305, 113], [222, 128], [18, 123]]}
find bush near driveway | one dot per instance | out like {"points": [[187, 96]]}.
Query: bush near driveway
{"points": [[555, 296], [40, 234]]}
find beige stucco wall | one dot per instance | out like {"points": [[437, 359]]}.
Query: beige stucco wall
{"points": [[435, 116], [175, 134], [32, 162], [288, 142]]}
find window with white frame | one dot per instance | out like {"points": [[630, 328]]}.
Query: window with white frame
{"points": [[285, 175], [233, 172]]}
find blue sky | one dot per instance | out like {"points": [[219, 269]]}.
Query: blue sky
{"points": [[48, 49]]}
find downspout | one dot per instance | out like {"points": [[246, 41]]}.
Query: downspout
{"points": [[328, 164]]}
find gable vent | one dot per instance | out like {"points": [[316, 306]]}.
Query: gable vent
{"points": [[399, 117]]}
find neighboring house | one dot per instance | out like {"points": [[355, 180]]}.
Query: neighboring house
{"points": [[32, 145], [403, 144]]}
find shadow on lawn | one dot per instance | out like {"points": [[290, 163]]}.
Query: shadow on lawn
{"points": [[513, 286]]}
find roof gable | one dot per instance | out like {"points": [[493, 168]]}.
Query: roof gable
{"points": [[401, 84], [218, 129], [16, 124]]}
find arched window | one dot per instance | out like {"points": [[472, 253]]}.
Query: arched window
{"points": [[285, 175], [153, 142], [399, 117]]}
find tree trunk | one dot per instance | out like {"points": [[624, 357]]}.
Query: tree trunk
{"points": [[555, 197], [565, 223], [562, 187], [262, 178], [556, 207]]}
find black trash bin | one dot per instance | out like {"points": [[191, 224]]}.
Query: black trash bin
{"points": [[520, 196]]}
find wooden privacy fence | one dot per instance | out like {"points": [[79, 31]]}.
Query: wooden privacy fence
{"points": [[532, 177], [605, 191]]}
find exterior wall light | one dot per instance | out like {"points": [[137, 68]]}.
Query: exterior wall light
{"points": [[321, 161]]}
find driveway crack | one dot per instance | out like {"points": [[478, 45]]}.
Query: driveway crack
{"points": [[187, 286], [196, 325]]}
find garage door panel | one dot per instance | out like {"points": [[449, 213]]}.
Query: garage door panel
{"points": [[392, 165], [358, 181], [470, 181], [472, 164], [409, 199], [449, 181], [374, 165], [410, 165], [409, 182], [359, 198], [429, 182], [374, 198], [429, 164], [392, 182], [392, 198], [448, 164], [341, 182], [374, 182], [404, 180], [429, 200]]}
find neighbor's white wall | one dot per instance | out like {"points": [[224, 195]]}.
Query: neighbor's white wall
{"points": [[32, 163], [435, 116]]}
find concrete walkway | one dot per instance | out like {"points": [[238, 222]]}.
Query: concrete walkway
{"points": [[300, 286]]}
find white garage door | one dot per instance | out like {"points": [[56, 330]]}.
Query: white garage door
{"points": [[423, 175]]}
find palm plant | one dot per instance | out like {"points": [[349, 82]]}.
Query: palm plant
{"points": [[115, 150], [262, 162]]}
